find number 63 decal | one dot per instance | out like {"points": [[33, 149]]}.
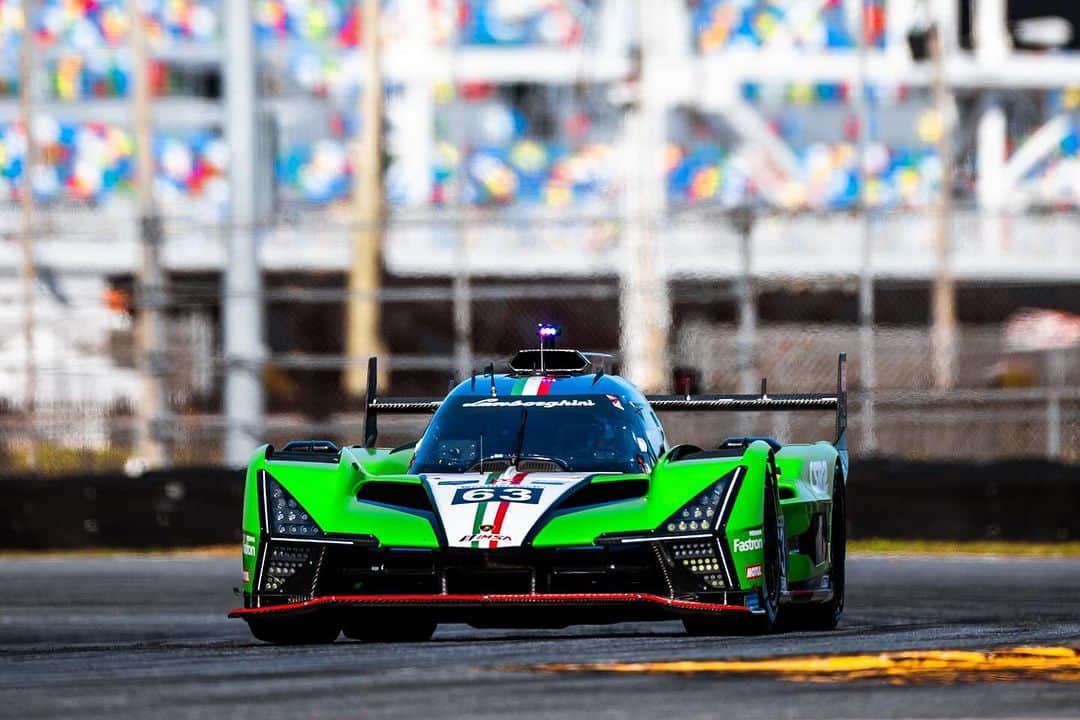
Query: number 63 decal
{"points": [[497, 494]]}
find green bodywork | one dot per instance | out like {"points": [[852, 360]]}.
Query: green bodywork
{"points": [[328, 492]]}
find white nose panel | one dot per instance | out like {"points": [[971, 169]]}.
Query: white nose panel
{"points": [[496, 510]]}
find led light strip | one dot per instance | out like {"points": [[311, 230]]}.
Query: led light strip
{"points": [[290, 539], [727, 496], [720, 519], [654, 538]]}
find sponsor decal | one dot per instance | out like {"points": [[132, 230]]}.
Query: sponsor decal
{"points": [[496, 493], [248, 546], [819, 475], [615, 401], [485, 537], [497, 509], [748, 544], [755, 532], [753, 572], [541, 404], [247, 576]]}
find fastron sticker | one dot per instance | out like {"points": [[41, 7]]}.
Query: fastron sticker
{"points": [[748, 544]]}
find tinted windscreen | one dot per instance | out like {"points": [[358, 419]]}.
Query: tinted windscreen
{"points": [[585, 433]]}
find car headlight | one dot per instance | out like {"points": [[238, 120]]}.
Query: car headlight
{"points": [[283, 562], [698, 515], [285, 516], [701, 514]]}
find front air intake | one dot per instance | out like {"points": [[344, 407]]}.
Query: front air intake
{"points": [[599, 493], [408, 496]]}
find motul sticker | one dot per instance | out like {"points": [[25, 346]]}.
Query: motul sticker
{"points": [[247, 576], [753, 572]]}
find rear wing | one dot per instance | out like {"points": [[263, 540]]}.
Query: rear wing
{"points": [[836, 401], [375, 406]]}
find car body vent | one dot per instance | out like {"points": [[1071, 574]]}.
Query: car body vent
{"points": [[323, 451], [524, 465], [597, 493], [411, 496], [550, 362]]}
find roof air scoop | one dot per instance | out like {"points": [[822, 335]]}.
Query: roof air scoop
{"points": [[536, 361]]}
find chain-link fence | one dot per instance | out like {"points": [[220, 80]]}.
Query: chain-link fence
{"points": [[459, 291]]}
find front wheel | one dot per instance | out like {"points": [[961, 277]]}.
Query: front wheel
{"points": [[826, 615], [773, 572], [311, 630]]}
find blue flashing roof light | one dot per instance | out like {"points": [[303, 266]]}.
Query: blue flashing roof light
{"points": [[547, 334]]}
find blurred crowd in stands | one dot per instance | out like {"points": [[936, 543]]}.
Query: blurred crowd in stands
{"points": [[553, 149]]}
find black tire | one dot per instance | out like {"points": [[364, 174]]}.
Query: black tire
{"points": [[313, 630], [773, 574], [826, 615], [387, 631]]}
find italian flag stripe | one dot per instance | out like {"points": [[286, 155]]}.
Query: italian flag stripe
{"points": [[481, 510], [535, 385], [500, 514]]}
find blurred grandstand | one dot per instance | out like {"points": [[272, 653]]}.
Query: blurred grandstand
{"points": [[780, 162]]}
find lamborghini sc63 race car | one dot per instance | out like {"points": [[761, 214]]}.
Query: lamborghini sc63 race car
{"points": [[546, 496]]}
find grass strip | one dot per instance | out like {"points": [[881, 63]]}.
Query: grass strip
{"points": [[964, 547]]}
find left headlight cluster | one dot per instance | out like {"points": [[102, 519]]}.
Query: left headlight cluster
{"points": [[287, 518], [700, 514]]}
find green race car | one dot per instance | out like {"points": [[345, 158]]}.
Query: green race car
{"points": [[546, 496]]}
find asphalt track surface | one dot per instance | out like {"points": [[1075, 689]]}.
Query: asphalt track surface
{"points": [[135, 637]]}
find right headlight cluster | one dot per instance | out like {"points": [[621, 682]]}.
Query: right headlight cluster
{"points": [[287, 518], [700, 514]]}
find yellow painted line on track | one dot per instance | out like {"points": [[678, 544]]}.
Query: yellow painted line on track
{"points": [[1055, 664]]}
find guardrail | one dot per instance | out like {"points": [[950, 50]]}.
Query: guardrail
{"points": [[887, 498]]}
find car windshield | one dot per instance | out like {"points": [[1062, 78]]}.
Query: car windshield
{"points": [[585, 433]]}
